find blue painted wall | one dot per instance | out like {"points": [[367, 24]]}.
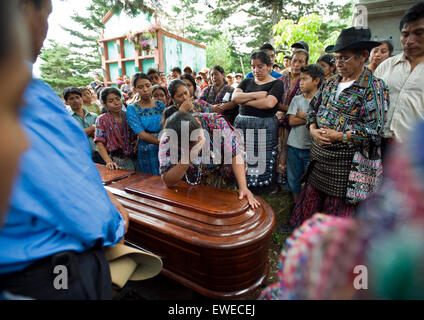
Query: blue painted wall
{"points": [[180, 54]]}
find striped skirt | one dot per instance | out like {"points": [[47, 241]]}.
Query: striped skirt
{"points": [[260, 137]]}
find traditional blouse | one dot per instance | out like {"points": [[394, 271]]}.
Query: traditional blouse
{"points": [[145, 119], [230, 144], [213, 96], [289, 93], [360, 108], [113, 135]]}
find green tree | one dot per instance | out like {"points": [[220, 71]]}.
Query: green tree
{"points": [[87, 41], [264, 14], [312, 30], [222, 52], [287, 32], [218, 53], [61, 68]]}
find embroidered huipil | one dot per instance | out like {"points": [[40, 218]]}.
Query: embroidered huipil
{"points": [[360, 108], [213, 96], [289, 93], [107, 129]]}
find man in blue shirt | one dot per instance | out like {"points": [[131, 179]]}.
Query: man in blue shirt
{"points": [[60, 217], [268, 48]]}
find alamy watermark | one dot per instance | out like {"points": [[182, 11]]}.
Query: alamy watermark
{"points": [[360, 282], [216, 149], [60, 282]]}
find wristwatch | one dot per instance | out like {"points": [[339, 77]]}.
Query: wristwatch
{"points": [[344, 138]]}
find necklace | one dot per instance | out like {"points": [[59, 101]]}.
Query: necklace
{"points": [[198, 176]]}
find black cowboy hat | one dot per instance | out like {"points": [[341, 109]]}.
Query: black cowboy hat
{"points": [[353, 38]]}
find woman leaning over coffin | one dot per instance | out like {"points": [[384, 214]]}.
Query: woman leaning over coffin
{"points": [[258, 98], [202, 148]]}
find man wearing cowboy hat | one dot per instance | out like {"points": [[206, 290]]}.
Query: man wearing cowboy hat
{"points": [[346, 115]]}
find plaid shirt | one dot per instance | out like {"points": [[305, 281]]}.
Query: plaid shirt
{"points": [[360, 108]]}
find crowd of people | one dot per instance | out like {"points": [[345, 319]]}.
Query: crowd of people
{"points": [[320, 130]]}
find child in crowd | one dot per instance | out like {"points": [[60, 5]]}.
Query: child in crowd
{"points": [[87, 99], [299, 141], [159, 93], [87, 120], [144, 117], [114, 138]]}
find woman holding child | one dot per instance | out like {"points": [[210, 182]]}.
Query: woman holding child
{"points": [[144, 117], [113, 137]]}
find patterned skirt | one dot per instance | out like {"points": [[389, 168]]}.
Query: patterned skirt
{"points": [[327, 176], [329, 168], [260, 136]]}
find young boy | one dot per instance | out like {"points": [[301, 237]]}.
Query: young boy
{"points": [[299, 141], [87, 99], [87, 120]]}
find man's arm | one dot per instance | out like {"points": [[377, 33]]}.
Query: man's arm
{"points": [[90, 130], [121, 209]]}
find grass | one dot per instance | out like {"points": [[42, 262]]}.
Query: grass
{"points": [[282, 205]]}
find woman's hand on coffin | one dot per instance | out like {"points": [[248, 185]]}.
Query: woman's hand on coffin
{"points": [[112, 166], [244, 192]]}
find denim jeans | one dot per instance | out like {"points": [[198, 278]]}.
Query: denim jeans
{"points": [[297, 161]]}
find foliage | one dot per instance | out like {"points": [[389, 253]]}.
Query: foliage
{"points": [[217, 53], [221, 52], [264, 14], [61, 68], [312, 30], [86, 43], [287, 32]]}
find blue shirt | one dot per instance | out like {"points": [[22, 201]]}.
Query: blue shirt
{"points": [[145, 119], [273, 73], [86, 122], [58, 202]]}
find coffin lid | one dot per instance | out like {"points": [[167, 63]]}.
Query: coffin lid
{"points": [[206, 200]]}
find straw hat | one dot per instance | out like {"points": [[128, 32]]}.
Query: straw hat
{"points": [[127, 263], [204, 71]]}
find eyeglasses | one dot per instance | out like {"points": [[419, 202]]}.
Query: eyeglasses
{"points": [[344, 60]]}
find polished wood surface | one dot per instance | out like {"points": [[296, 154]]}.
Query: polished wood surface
{"points": [[208, 239], [109, 176]]}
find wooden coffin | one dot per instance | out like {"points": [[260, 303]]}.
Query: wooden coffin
{"points": [[208, 239]]}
